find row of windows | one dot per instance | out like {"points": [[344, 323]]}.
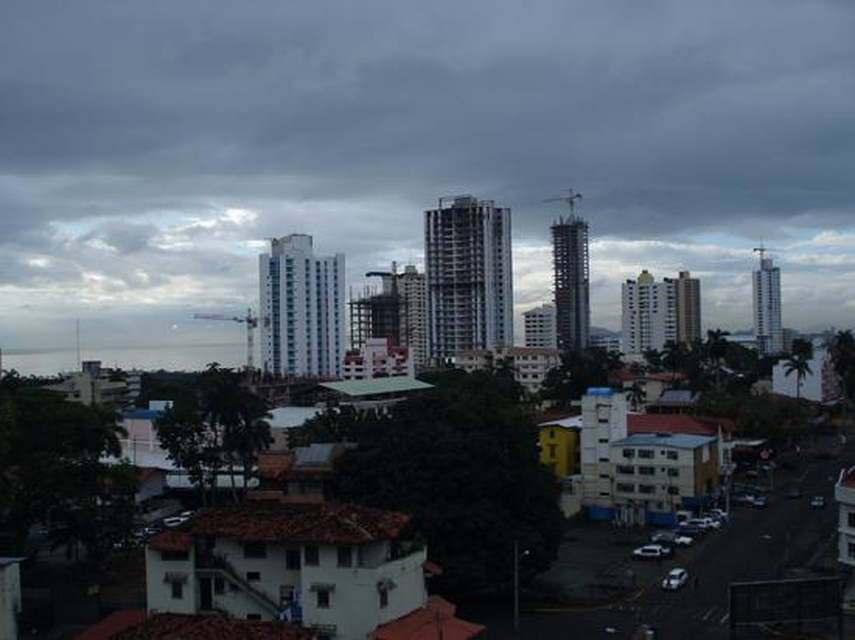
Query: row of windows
{"points": [[649, 453], [645, 488], [646, 471]]}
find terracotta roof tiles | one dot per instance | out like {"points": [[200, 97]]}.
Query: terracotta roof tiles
{"points": [[173, 626]]}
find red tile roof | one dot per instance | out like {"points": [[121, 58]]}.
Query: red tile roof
{"points": [[325, 523], [435, 620], [174, 626], [113, 624], [171, 540], [667, 423]]}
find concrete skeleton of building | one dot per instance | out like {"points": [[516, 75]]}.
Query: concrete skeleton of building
{"points": [[302, 302], [469, 276], [539, 325], [766, 283], [571, 281], [378, 358], [341, 570], [530, 365]]}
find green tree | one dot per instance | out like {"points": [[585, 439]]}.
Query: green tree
{"points": [[653, 357], [800, 365], [578, 372], [716, 350], [463, 460]]}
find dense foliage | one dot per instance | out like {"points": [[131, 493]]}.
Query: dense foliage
{"points": [[463, 460], [51, 470]]}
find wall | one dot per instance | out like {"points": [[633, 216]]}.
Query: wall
{"points": [[10, 600], [159, 593], [566, 461]]}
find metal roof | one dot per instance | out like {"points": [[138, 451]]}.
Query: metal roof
{"points": [[676, 440], [315, 454], [377, 386]]}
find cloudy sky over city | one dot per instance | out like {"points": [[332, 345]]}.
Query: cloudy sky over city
{"points": [[148, 148]]}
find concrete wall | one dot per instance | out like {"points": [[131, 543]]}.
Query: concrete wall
{"points": [[159, 592]]}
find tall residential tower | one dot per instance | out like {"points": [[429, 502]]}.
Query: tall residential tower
{"points": [[688, 295], [571, 270], [539, 326], [767, 307], [302, 307], [649, 314], [469, 277]]}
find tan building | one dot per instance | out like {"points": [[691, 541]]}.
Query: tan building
{"points": [[688, 308]]}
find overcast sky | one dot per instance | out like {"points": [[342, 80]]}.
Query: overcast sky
{"points": [[148, 148]]}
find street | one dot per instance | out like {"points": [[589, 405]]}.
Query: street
{"points": [[757, 544]]}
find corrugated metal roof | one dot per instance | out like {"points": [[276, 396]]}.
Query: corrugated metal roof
{"points": [[315, 454], [377, 386], [677, 440]]}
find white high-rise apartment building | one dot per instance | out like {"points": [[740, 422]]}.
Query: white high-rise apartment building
{"points": [[302, 309], [540, 327], [649, 314], [767, 308], [469, 278]]}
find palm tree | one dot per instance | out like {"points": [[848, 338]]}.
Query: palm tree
{"points": [[635, 395], [674, 357], [716, 348], [801, 366]]}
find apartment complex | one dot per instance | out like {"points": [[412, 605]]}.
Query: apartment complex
{"points": [[539, 324], [378, 358], [649, 318], [302, 303], [340, 570], [688, 298], [603, 422], [608, 343], [412, 289], [530, 365], [766, 283], [571, 280], [469, 278]]}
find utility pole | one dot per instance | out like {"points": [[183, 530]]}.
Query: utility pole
{"points": [[517, 557]]}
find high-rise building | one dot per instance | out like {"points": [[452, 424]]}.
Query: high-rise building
{"points": [[571, 271], [767, 308], [302, 307], [469, 277], [412, 288], [649, 314], [688, 292], [539, 326]]}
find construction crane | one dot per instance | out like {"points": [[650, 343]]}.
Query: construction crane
{"points": [[251, 322], [762, 250], [569, 199]]}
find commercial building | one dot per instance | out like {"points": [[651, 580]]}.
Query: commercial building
{"points": [[571, 282], [530, 365], [688, 298], [649, 319], [539, 326], [302, 304], [378, 358], [340, 570], [768, 330], [469, 276]]}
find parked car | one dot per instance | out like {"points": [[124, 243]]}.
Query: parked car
{"points": [[174, 521], [817, 502], [676, 579], [684, 541], [686, 529], [705, 524], [664, 537], [760, 502], [719, 514], [652, 552]]}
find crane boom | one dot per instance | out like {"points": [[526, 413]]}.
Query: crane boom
{"points": [[251, 323], [570, 199]]}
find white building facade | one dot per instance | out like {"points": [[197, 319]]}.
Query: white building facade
{"points": [[378, 358], [302, 309], [539, 324], [603, 422], [766, 282], [469, 276], [649, 318], [530, 365]]}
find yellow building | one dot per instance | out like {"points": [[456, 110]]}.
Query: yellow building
{"points": [[559, 445]]}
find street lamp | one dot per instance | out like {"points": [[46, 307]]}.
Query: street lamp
{"points": [[517, 557]]}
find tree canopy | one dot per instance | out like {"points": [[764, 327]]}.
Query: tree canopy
{"points": [[463, 460]]}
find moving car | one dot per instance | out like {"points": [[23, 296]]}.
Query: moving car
{"points": [[652, 552], [675, 579], [817, 502]]}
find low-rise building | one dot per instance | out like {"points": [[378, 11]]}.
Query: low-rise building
{"points": [[340, 570], [657, 474], [94, 385], [378, 358], [530, 365], [609, 343], [559, 444], [374, 394], [10, 597]]}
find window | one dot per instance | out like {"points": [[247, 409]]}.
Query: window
{"points": [[254, 550], [646, 488], [646, 471], [286, 594], [625, 488], [177, 591], [323, 599], [345, 556], [253, 616], [384, 599], [292, 559], [627, 470], [552, 449], [673, 491], [852, 519], [311, 558], [253, 576], [628, 453], [219, 586], [604, 440], [673, 473], [168, 556], [645, 453], [552, 433], [605, 476], [671, 455]]}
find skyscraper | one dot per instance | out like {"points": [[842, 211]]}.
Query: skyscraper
{"points": [[539, 326], [571, 282], [767, 307], [302, 308], [649, 314], [688, 294], [469, 278]]}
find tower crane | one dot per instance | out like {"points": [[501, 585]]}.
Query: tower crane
{"points": [[570, 198], [762, 250], [251, 322]]}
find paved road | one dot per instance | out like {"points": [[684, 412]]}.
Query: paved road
{"points": [[756, 545]]}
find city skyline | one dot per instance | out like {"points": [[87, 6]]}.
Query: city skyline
{"points": [[136, 188]]}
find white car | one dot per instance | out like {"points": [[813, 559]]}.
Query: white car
{"points": [[675, 579], [719, 514], [174, 521], [651, 552], [703, 523], [684, 541]]}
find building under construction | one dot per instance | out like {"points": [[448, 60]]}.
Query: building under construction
{"points": [[571, 282]]}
